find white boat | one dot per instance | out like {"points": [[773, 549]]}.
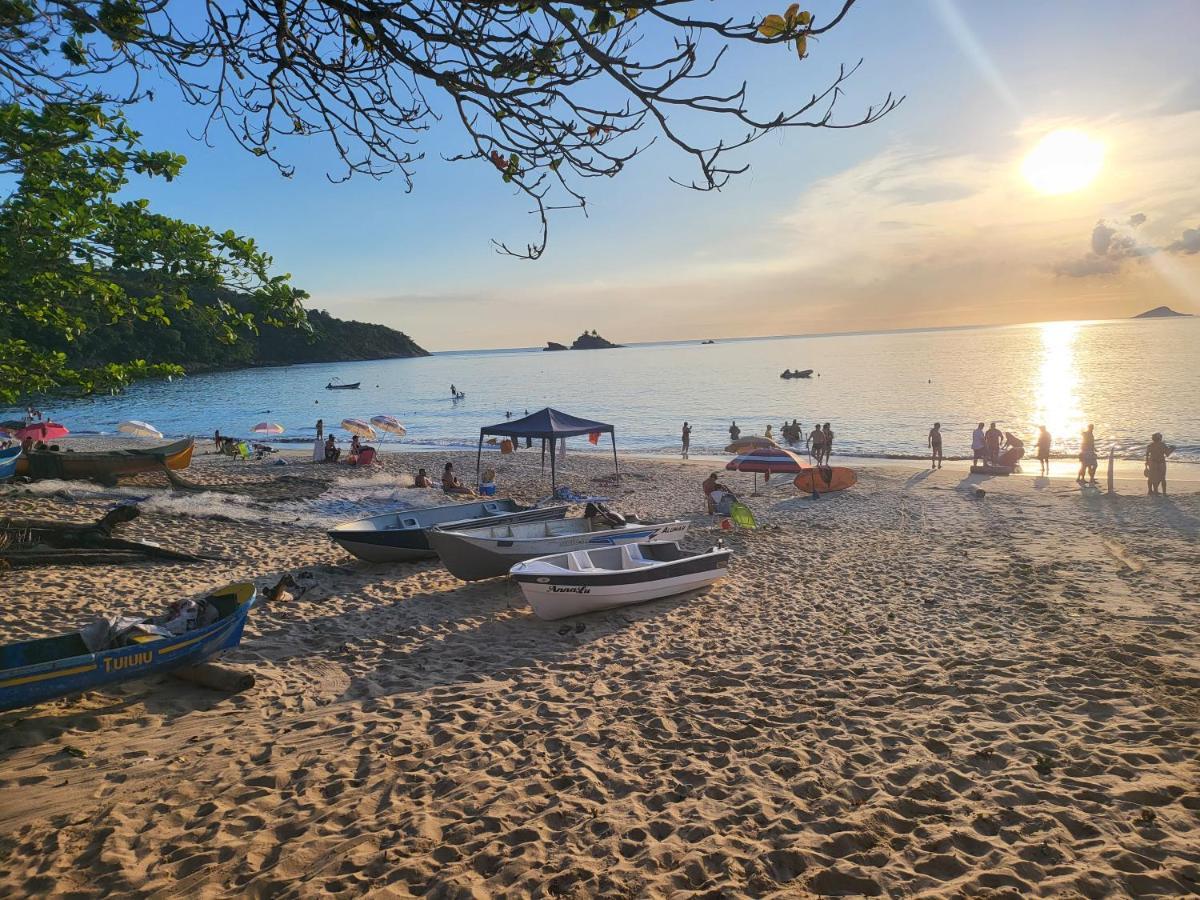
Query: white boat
{"points": [[490, 551], [583, 581], [402, 536]]}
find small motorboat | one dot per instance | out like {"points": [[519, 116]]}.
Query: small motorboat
{"points": [[42, 669], [799, 373], [342, 387], [491, 550], [583, 581], [402, 536], [8, 462]]}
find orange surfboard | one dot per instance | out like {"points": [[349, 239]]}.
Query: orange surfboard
{"points": [[825, 479]]}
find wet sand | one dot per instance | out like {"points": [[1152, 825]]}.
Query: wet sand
{"points": [[903, 689]]}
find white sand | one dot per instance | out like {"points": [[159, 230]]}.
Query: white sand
{"points": [[902, 689]]}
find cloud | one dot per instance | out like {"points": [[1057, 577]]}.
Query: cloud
{"points": [[1188, 242], [1137, 219], [1111, 246]]}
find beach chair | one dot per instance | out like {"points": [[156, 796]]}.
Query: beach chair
{"points": [[243, 450]]}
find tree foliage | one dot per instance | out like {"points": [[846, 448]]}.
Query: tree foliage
{"points": [[69, 251], [549, 92]]}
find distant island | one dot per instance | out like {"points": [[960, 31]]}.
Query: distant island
{"points": [[189, 341], [1162, 312], [589, 340]]}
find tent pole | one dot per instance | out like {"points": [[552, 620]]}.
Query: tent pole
{"points": [[553, 473], [479, 456], [543, 456], [616, 465]]}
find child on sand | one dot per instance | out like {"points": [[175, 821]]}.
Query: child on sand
{"points": [[935, 446]]}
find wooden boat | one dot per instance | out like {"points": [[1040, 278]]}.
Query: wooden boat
{"points": [[825, 479], [8, 462], [584, 581], [489, 551], [105, 465], [402, 536], [342, 387], [38, 670]]}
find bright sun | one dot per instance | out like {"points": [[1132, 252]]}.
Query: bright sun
{"points": [[1063, 161]]}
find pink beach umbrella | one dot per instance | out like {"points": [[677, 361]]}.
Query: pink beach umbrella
{"points": [[42, 431], [267, 428], [389, 423], [767, 461]]}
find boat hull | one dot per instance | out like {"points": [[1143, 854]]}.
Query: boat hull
{"points": [[106, 465], [476, 558], [37, 682], [555, 592], [8, 462], [412, 543]]}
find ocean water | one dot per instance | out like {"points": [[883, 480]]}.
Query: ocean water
{"points": [[881, 392]]}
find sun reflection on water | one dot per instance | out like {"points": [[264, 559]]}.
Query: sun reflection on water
{"points": [[1057, 404]]}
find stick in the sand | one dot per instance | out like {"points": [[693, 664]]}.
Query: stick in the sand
{"points": [[1111, 455]]}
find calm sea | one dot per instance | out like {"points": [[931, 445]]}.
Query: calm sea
{"points": [[881, 392]]}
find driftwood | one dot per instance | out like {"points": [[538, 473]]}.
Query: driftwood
{"points": [[216, 677], [41, 542]]}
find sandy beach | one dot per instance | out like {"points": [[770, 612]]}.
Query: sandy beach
{"points": [[906, 689]]}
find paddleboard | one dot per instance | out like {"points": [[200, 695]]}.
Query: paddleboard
{"points": [[825, 479]]}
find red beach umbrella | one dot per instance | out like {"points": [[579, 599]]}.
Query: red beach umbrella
{"points": [[42, 431], [767, 461]]}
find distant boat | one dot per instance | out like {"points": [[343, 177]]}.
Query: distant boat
{"points": [[709, 341], [45, 668], [799, 373], [342, 387], [584, 581], [402, 536]]}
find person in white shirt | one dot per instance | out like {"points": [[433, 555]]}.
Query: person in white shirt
{"points": [[978, 443]]}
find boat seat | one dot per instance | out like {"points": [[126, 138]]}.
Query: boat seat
{"points": [[631, 557], [577, 561]]}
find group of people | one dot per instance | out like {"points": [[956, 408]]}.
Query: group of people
{"points": [[819, 441]]}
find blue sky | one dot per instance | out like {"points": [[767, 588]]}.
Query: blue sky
{"points": [[915, 221]]}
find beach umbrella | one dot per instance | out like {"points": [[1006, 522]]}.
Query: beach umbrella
{"points": [[267, 428], [389, 423], [359, 427], [139, 429], [767, 461], [41, 431], [743, 445]]}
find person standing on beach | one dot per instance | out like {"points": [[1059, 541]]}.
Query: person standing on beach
{"points": [[734, 432], [935, 446], [1043, 449], [687, 438], [991, 444], [1087, 457], [978, 442], [217, 439], [827, 443], [320, 429], [816, 443], [1156, 464]]}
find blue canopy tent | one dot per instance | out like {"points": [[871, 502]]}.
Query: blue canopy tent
{"points": [[549, 425]]}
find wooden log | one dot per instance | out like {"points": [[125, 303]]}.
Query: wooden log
{"points": [[46, 556], [216, 677]]}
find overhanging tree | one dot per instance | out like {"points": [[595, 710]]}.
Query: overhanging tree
{"points": [[549, 92], [73, 257]]}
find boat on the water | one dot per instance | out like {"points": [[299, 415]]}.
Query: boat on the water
{"points": [[105, 465], [583, 581], [798, 373], [402, 536], [490, 551], [42, 669], [342, 387], [8, 462]]}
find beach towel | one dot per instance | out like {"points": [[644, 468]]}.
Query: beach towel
{"points": [[566, 495]]}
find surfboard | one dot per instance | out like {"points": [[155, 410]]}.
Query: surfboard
{"points": [[825, 479]]}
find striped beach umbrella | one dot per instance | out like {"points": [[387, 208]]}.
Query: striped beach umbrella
{"points": [[359, 427], [267, 428], [390, 424], [767, 461]]}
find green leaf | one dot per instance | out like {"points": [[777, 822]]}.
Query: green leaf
{"points": [[772, 26]]}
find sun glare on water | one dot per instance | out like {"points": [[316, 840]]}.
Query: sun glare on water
{"points": [[1063, 161]]}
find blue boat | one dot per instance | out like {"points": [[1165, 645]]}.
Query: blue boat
{"points": [[8, 462], [38, 670]]}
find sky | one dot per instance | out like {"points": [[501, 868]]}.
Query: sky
{"points": [[924, 219]]}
